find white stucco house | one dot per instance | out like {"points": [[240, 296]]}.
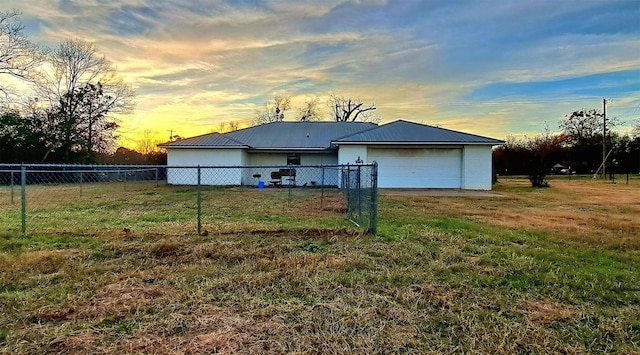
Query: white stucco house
{"points": [[409, 155]]}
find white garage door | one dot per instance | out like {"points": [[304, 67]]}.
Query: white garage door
{"points": [[417, 167]]}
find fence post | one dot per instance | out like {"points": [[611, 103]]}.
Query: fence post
{"points": [[359, 186], [347, 185], [124, 179], [12, 186], [373, 220], [322, 190], [289, 188], [23, 196], [199, 198], [81, 184], [156, 176]]}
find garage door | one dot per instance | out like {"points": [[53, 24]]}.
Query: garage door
{"points": [[417, 167]]}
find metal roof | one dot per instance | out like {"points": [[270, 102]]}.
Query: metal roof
{"points": [[297, 135], [321, 136], [405, 132], [205, 141]]}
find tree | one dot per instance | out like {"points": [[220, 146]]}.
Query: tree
{"points": [[635, 130], [18, 56], [583, 138], [83, 89], [18, 138], [346, 109], [582, 126], [274, 111], [533, 156], [148, 141], [309, 110], [225, 127]]}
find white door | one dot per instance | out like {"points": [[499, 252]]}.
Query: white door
{"points": [[418, 167]]}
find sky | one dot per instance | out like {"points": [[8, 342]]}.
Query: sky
{"points": [[490, 67]]}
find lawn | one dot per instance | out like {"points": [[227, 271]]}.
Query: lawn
{"points": [[532, 271]]}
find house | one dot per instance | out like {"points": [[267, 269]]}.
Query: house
{"points": [[409, 155]]}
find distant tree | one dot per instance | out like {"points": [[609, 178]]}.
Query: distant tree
{"points": [[582, 131], [309, 110], [533, 156], [18, 55], [147, 142], [346, 109], [233, 125], [225, 127], [582, 126], [273, 111], [635, 129]]}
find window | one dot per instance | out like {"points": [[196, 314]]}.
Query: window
{"points": [[293, 159]]}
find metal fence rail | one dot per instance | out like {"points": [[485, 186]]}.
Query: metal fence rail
{"points": [[88, 198]]}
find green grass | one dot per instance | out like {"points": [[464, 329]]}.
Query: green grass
{"points": [[297, 280]]}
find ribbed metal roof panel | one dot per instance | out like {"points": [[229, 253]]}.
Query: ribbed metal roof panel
{"points": [[297, 135], [408, 132], [208, 140]]}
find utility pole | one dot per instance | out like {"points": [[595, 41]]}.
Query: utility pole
{"points": [[604, 138]]}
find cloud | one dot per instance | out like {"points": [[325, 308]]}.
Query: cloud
{"points": [[450, 62]]}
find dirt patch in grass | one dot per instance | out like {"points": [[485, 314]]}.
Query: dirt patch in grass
{"points": [[548, 312], [126, 296], [329, 205], [208, 330]]}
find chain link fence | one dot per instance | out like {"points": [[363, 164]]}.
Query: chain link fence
{"points": [[185, 199]]}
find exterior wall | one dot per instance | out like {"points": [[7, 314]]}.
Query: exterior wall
{"points": [[204, 157], [348, 154], [309, 176], [476, 167]]}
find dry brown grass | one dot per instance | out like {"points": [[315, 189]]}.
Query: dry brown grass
{"points": [[583, 211], [446, 275]]}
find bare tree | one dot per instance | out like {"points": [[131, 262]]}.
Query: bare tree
{"points": [[273, 111], [538, 154], [225, 127], [85, 89], [635, 130], [18, 56], [148, 141], [309, 110], [346, 109]]}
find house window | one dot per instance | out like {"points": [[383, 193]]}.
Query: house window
{"points": [[293, 159]]}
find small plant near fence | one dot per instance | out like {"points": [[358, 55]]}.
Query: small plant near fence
{"points": [[202, 199]]}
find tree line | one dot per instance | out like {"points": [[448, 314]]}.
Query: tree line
{"points": [[67, 112], [577, 149]]}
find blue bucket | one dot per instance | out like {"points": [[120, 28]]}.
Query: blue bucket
{"points": [[261, 184]]}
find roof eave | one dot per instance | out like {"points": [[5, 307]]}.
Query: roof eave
{"points": [[291, 149], [203, 147], [415, 143]]}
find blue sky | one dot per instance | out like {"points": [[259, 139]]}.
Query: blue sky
{"points": [[489, 67]]}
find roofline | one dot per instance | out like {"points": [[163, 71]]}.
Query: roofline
{"points": [[203, 146], [415, 143], [290, 149], [252, 149], [450, 130]]}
